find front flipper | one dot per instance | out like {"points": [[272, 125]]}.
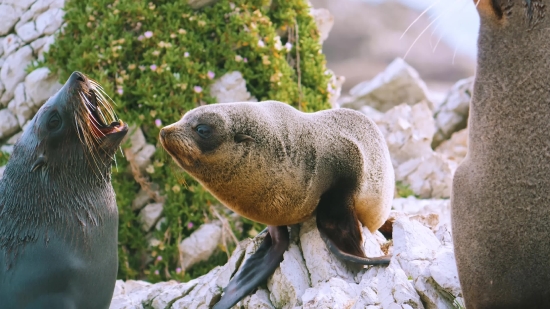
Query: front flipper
{"points": [[339, 226], [257, 268]]}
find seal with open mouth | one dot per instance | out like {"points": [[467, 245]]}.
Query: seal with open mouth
{"points": [[58, 214], [276, 165]]}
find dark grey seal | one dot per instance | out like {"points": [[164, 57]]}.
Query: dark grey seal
{"points": [[58, 214], [501, 191]]}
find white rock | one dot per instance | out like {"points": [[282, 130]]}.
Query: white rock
{"points": [[258, 300], [13, 71], [197, 4], [20, 105], [408, 131], [40, 85], [142, 198], [1, 47], [415, 247], [48, 41], [48, 22], [231, 87], [2, 169], [324, 20], [143, 157], [9, 15], [443, 270], [335, 88], [424, 207], [11, 43], [398, 84], [200, 245], [455, 148], [452, 114], [136, 137], [27, 31], [428, 176], [149, 215], [19, 4], [335, 293], [173, 292], [8, 123], [290, 280]]}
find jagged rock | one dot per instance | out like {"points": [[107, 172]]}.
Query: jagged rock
{"points": [[12, 140], [231, 87], [11, 43], [398, 84], [415, 249], [142, 198], [428, 176], [48, 41], [1, 47], [2, 168], [27, 32], [200, 245], [324, 20], [13, 71], [412, 206], [334, 88], [420, 275], [8, 123], [452, 115], [48, 22], [149, 215], [456, 148], [40, 85], [142, 151], [20, 105], [408, 131], [9, 15]]}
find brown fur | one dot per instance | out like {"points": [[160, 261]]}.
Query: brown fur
{"points": [[293, 163], [501, 191]]}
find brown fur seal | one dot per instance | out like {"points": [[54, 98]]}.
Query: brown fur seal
{"points": [[501, 191], [276, 165], [58, 214]]}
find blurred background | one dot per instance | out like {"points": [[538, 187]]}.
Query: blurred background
{"points": [[368, 34]]}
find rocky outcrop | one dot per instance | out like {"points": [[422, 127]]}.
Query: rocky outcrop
{"points": [[421, 275], [26, 32]]}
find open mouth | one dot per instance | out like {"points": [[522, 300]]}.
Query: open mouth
{"points": [[100, 114]]}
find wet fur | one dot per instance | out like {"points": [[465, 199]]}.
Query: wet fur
{"points": [[500, 197], [58, 214]]}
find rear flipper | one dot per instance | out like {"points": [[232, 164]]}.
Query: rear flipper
{"points": [[257, 268], [339, 226]]}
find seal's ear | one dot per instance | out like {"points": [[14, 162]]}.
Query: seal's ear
{"points": [[38, 163], [240, 138]]}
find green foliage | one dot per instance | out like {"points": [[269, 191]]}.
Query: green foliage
{"points": [[4, 156], [403, 190], [157, 60]]}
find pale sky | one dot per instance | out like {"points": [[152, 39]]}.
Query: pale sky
{"points": [[458, 22]]}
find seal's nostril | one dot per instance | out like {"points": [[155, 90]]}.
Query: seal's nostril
{"points": [[162, 133], [80, 78]]}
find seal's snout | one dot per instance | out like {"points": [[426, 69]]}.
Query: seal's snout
{"points": [[77, 77]]}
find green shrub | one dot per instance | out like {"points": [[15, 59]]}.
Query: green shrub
{"points": [[4, 158], [157, 60]]}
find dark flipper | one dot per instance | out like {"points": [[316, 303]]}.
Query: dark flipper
{"points": [[257, 268], [339, 226]]}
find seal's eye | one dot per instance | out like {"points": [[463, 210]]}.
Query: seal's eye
{"points": [[54, 122], [204, 130]]}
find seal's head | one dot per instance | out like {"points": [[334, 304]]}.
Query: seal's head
{"points": [[208, 136], [77, 124]]}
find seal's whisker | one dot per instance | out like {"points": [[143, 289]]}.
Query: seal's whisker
{"points": [[427, 27], [418, 18]]}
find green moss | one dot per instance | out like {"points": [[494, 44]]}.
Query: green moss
{"points": [[4, 156], [156, 62], [403, 190]]}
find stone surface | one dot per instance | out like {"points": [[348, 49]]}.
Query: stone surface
{"points": [[149, 215], [40, 85], [420, 275], [324, 20], [231, 87], [48, 22], [20, 105], [2, 168], [8, 123], [10, 44], [455, 148], [399, 83], [452, 115], [198, 4], [200, 245], [9, 15], [13, 71]]}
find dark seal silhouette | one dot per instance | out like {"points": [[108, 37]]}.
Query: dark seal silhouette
{"points": [[501, 191], [276, 165], [58, 214]]}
